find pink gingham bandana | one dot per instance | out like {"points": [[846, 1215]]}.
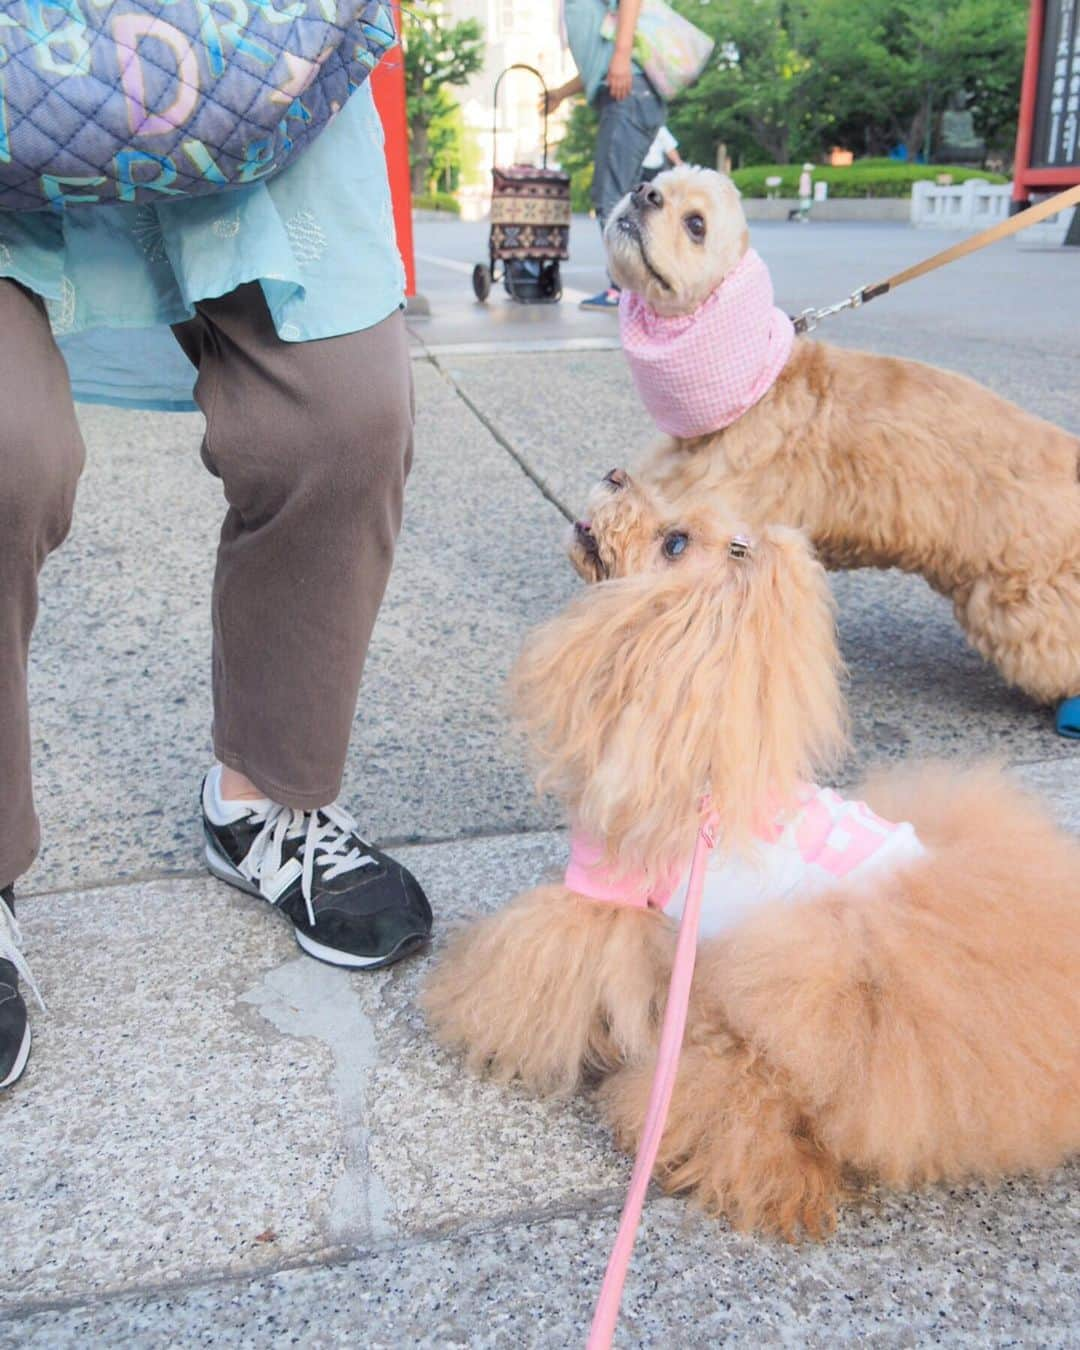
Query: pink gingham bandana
{"points": [[699, 372]]}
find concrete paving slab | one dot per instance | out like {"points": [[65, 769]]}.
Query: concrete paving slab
{"points": [[1056, 781], [162, 1124], [587, 416], [120, 661], [963, 1268], [197, 1083], [1024, 302], [211, 1103], [916, 687]]}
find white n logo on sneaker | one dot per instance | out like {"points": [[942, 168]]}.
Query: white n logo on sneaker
{"points": [[272, 886]]}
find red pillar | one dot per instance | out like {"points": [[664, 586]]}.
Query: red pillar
{"points": [[388, 88], [1029, 90]]}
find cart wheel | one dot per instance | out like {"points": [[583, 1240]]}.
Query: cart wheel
{"points": [[481, 281], [550, 281]]}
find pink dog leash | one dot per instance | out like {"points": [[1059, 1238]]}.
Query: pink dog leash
{"points": [[667, 1063]]}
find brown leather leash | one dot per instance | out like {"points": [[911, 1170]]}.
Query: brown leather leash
{"points": [[809, 319]]}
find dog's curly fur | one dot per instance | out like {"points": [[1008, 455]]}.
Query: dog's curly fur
{"points": [[885, 462], [916, 1026]]}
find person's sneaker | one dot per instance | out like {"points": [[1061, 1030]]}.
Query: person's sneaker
{"points": [[14, 1023], [349, 904], [603, 300]]}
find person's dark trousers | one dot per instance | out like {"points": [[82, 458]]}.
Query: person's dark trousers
{"points": [[628, 127], [312, 442]]}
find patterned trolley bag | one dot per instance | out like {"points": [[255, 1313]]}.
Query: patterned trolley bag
{"points": [[530, 225]]}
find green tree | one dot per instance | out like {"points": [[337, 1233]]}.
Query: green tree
{"points": [[437, 55], [974, 48], [575, 152], [445, 144], [747, 97], [792, 77]]}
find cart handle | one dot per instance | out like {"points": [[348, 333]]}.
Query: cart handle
{"points": [[518, 65]]}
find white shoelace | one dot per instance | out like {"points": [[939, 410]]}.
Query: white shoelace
{"points": [[328, 832], [10, 940]]}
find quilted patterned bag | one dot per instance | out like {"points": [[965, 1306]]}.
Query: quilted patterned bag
{"points": [[671, 50], [113, 100]]}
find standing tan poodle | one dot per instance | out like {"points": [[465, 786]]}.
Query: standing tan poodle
{"points": [[885, 462], [885, 989]]}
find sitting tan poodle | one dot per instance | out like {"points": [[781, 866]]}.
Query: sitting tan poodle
{"points": [[885, 462], [885, 989]]}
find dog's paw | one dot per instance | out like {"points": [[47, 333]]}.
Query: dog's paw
{"points": [[735, 1142], [551, 989]]}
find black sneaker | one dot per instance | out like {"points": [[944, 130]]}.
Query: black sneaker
{"points": [[349, 904], [14, 1023]]}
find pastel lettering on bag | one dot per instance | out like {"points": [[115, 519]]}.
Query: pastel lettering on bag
{"points": [[258, 160], [61, 49], [128, 30], [204, 161], [52, 188], [5, 139], [296, 113], [216, 34], [127, 184], [301, 73], [286, 15]]}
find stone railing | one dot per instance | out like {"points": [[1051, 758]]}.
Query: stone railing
{"points": [[959, 206]]}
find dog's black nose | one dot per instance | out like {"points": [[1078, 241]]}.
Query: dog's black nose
{"points": [[617, 478], [647, 196], [585, 537]]}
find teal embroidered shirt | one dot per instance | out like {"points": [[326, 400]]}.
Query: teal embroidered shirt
{"points": [[317, 237]]}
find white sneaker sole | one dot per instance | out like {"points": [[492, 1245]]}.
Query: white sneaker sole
{"points": [[225, 871], [20, 1059]]}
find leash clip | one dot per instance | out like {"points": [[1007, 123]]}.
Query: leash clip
{"points": [[809, 319]]}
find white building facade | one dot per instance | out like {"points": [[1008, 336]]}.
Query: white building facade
{"points": [[516, 31]]}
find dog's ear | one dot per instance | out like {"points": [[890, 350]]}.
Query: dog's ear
{"points": [[650, 690]]}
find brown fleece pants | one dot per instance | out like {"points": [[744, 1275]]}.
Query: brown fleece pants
{"points": [[312, 442]]}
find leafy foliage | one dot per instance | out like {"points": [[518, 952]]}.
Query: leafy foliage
{"points": [[791, 78], [445, 141], [437, 55], [576, 154], [864, 178], [437, 201]]}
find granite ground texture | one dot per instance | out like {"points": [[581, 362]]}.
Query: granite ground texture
{"points": [[219, 1141]]}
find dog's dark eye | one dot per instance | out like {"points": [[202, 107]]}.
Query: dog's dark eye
{"points": [[695, 227], [675, 544]]}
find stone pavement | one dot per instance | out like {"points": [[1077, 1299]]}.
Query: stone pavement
{"points": [[219, 1141]]}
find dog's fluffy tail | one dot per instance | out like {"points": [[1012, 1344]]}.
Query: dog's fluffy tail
{"points": [[929, 1024], [552, 988]]}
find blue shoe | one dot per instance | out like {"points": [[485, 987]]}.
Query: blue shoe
{"points": [[603, 300], [1068, 719]]}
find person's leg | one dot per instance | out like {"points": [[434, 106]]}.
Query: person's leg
{"points": [[627, 129], [313, 444], [41, 457]]}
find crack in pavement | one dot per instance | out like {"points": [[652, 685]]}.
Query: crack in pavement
{"points": [[546, 491]]}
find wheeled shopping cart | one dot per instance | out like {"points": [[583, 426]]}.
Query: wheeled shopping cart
{"points": [[530, 223]]}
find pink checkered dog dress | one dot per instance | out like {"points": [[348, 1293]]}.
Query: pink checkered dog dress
{"points": [[700, 372]]}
